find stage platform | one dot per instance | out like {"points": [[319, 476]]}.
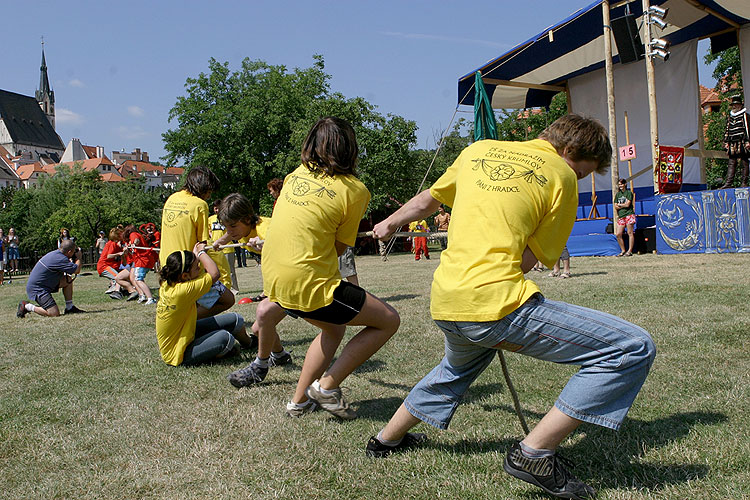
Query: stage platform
{"points": [[699, 221]]}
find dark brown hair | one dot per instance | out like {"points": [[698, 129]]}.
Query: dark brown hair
{"points": [[201, 180], [177, 263], [584, 139], [331, 147], [276, 184], [236, 207]]}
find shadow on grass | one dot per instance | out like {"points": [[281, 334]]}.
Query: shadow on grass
{"points": [[403, 296], [623, 451]]}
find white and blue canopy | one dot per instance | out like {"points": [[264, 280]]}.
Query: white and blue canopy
{"points": [[531, 73]]}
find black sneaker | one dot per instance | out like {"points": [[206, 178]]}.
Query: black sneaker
{"points": [[281, 360], [258, 298], [21, 311], [549, 473], [74, 310], [115, 295], [376, 449], [252, 374]]}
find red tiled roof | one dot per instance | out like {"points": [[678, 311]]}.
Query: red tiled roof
{"points": [[112, 177], [25, 171], [708, 96], [6, 157], [175, 170], [90, 151]]}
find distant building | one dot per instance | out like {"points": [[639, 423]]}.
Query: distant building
{"points": [[27, 124], [120, 157], [8, 175], [156, 175]]}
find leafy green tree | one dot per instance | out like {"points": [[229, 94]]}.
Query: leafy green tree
{"points": [[515, 125], [248, 127], [728, 74], [81, 202]]}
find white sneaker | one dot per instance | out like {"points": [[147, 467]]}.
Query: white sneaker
{"points": [[150, 301], [142, 299]]}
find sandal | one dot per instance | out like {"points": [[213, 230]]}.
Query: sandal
{"points": [[565, 275], [553, 274], [620, 254], [629, 254]]}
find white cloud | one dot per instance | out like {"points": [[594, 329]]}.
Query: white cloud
{"points": [[442, 38], [136, 111], [75, 82], [67, 117], [131, 133]]}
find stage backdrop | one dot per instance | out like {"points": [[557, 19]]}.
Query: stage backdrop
{"points": [[677, 102], [703, 221]]}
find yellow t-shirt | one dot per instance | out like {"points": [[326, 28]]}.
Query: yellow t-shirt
{"points": [[184, 222], [300, 265], [260, 231], [223, 264], [505, 196], [176, 314], [419, 227], [215, 231]]}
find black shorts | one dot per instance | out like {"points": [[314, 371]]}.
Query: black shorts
{"points": [[348, 300]]}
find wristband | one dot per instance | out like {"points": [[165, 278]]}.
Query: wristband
{"points": [[200, 253]]}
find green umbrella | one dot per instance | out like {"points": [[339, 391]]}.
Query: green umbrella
{"points": [[485, 126]]}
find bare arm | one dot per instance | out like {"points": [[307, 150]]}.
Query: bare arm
{"points": [[208, 263], [528, 260], [417, 208], [340, 248]]}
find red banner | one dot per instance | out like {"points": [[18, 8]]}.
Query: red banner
{"points": [[669, 175]]}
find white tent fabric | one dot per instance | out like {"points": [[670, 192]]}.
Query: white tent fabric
{"points": [[676, 85]]}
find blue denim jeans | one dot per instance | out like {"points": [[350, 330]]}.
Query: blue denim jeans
{"points": [[213, 338], [614, 355]]}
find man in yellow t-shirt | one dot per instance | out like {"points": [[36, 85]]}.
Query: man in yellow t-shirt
{"points": [[184, 222], [514, 203]]}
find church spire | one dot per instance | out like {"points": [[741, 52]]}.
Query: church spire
{"points": [[44, 95]]}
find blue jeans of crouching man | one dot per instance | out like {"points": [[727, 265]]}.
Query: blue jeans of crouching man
{"points": [[614, 355]]}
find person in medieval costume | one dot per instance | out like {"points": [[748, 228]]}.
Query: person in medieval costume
{"points": [[737, 142]]}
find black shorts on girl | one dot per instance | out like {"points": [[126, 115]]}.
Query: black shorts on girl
{"points": [[348, 300]]}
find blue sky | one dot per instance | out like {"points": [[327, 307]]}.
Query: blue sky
{"points": [[118, 67]]}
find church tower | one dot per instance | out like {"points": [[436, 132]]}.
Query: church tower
{"points": [[46, 96]]}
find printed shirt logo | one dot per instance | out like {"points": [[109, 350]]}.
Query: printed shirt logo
{"points": [[304, 186], [498, 171], [174, 214]]}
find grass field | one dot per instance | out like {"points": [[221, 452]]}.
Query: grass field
{"points": [[89, 410]]}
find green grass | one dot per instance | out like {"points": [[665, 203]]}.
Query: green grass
{"points": [[89, 410]]}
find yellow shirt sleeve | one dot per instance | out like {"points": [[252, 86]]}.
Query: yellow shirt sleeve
{"points": [[549, 238], [357, 204]]}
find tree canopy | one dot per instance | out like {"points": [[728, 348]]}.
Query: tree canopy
{"points": [[248, 127], [79, 201]]}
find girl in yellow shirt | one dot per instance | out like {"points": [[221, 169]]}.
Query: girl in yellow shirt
{"points": [[182, 338], [316, 217]]}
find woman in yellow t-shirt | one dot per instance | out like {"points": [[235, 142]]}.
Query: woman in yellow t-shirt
{"points": [[183, 339], [316, 217]]}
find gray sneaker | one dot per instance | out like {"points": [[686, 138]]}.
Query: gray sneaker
{"points": [[332, 403], [296, 411]]}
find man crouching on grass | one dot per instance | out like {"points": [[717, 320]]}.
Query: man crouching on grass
{"points": [[53, 272], [514, 203]]}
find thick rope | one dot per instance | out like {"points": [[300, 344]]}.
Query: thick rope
{"points": [[516, 401]]}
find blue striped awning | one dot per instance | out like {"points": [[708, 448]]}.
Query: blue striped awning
{"points": [[531, 73]]}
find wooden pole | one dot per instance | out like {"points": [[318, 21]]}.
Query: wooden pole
{"points": [[630, 162], [614, 168], [651, 82]]}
